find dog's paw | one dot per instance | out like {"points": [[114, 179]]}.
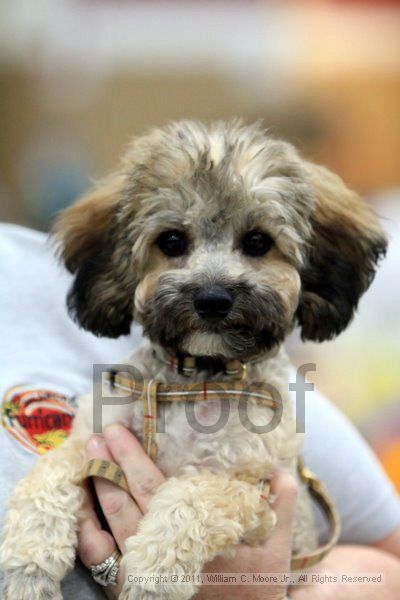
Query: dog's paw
{"points": [[30, 583], [265, 526], [154, 579]]}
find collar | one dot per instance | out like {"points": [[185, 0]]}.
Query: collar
{"points": [[188, 365]]}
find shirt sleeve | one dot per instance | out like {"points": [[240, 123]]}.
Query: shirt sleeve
{"points": [[336, 452]]}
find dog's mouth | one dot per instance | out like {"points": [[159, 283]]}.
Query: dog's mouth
{"points": [[228, 343]]}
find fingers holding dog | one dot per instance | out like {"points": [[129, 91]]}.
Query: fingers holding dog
{"points": [[94, 543], [120, 510], [141, 473]]}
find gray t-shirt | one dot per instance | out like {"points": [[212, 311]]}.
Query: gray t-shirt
{"points": [[46, 362]]}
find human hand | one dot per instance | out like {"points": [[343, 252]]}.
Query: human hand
{"points": [[272, 556], [122, 511], [123, 514]]}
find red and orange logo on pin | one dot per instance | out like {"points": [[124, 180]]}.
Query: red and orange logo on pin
{"points": [[39, 419]]}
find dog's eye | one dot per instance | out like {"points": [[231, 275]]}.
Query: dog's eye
{"points": [[172, 243], [256, 243]]}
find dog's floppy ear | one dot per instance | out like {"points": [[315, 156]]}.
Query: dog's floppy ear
{"points": [[85, 233], [346, 245]]}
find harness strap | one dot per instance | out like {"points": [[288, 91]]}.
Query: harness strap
{"points": [[112, 472], [194, 391], [105, 469], [151, 391], [149, 403], [321, 495]]}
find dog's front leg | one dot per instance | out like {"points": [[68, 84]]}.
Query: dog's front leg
{"points": [[40, 528], [190, 521]]}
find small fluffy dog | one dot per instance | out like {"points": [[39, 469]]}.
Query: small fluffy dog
{"points": [[218, 240]]}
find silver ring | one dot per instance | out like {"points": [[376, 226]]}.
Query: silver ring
{"points": [[106, 572]]}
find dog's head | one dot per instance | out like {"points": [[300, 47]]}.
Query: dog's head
{"points": [[218, 240]]}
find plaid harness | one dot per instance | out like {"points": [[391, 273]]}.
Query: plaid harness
{"points": [[151, 392]]}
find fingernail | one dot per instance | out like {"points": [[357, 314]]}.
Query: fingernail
{"points": [[94, 443]]}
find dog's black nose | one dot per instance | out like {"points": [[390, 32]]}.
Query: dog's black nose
{"points": [[213, 303]]}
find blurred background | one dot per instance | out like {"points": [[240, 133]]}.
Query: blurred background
{"points": [[79, 77]]}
